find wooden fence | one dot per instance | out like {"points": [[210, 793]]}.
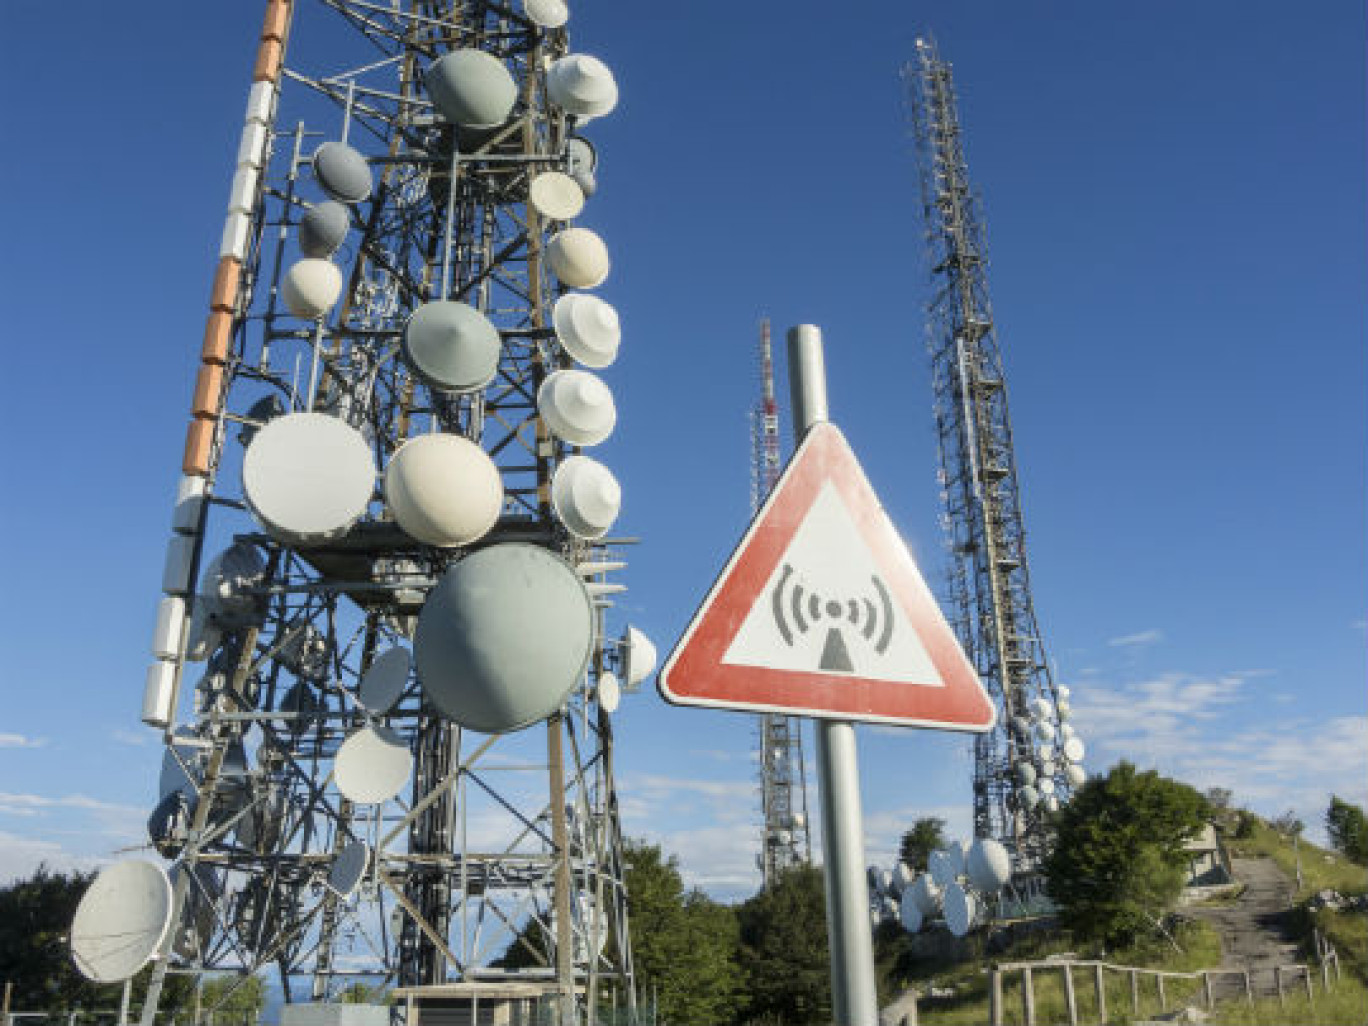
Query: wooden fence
{"points": [[1284, 976]]}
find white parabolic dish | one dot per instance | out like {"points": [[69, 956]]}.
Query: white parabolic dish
{"points": [[941, 867], [556, 195], [588, 328], [547, 13], [579, 258], [121, 921], [372, 765], [577, 406], [586, 496], [443, 490], [989, 865], [609, 693], [383, 684], [959, 908], [925, 894], [308, 477], [641, 656], [911, 915]]}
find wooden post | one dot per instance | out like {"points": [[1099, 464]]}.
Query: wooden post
{"points": [[4, 1009], [1028, 996], [1070, 998], [1325, 976], [1206, 988], [995, 997], [1249, 989], [1310, 997], [1277, 982], [910, 1019], [1337, 972], [1135, 991], [1101, 992], [1163, 1001]]}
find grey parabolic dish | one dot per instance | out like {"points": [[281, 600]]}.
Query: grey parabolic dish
{"points": [[121, 921], [342, 172], [504, 637], [323, 228], [452, 346], [472, 88]]}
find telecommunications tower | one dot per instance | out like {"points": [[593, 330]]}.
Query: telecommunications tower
{"points": [[383, 666], [1029, 763], [785, 839]]}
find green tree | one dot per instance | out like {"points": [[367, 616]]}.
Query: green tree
{"points": [[927, 834], [1118, 861], [232, 999], [1348, 829], [784, 954], [362, 993]]}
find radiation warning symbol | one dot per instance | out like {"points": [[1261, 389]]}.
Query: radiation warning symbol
{"points": [[821, 611]]}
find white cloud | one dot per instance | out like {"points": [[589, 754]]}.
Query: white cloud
{"points": [[21, 741], [1179, 724], [1148, 637], [136, 738], [20, 856]]}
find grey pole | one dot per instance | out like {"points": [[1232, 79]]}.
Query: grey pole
{"points": [[853, 999]]}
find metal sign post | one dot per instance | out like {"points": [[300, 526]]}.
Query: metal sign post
{"points": [[854, 1002]]}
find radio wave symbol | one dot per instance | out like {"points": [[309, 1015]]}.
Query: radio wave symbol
{"points": [[871, 620]]}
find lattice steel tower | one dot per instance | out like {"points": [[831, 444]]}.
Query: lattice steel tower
{"points": [[785, 839], [1027, 764], [385, 454]]}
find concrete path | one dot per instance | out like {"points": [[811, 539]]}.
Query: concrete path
{"points": [[1252, 932]]}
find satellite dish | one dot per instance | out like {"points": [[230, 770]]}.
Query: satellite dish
{"points": [[588, 328], [303, 703], [989, 866], [342, 172], [168, 827], [452, 346], [1046, 786], [580, 155], [577, 406], [586, 497], [582, 85], [1065, 710], [472, 88], [1040, 708], [579, 258], [1022, 726], [954, 855], [609, 693], [121, 921], [926, 894], [798, 820], [910, 914], [323, 229], [1052, 803], [1076, 774], [556, 196], [1029, 797], [640, 657], [308, 477], [902, 878], [1074, 749], [348, 869], [224, 599], [311, 287], [1063, 691], [1047, 767], [1066, 731], [549, 14], [1045, 731], [384, 682], [1026, 773], [942, 867], [471, 645], [372, 766], [443, 490], [960, 908]]}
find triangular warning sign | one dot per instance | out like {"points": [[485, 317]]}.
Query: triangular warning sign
{"points": [[821, 611]]}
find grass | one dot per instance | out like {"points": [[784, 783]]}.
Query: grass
{"points": [[1321, 869], [1346, 1003]]}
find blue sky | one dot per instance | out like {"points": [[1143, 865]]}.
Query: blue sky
{"points": [[1175, 199]]}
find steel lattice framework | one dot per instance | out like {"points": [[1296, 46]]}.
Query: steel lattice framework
{"points": [[503, 843], [990, 592], [785, 837]]}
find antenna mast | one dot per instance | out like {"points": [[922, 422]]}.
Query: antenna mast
{"points": [[1029, 762], [785, 839]]}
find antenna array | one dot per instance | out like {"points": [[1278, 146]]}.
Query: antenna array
{"points": [[1029, 763]]}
